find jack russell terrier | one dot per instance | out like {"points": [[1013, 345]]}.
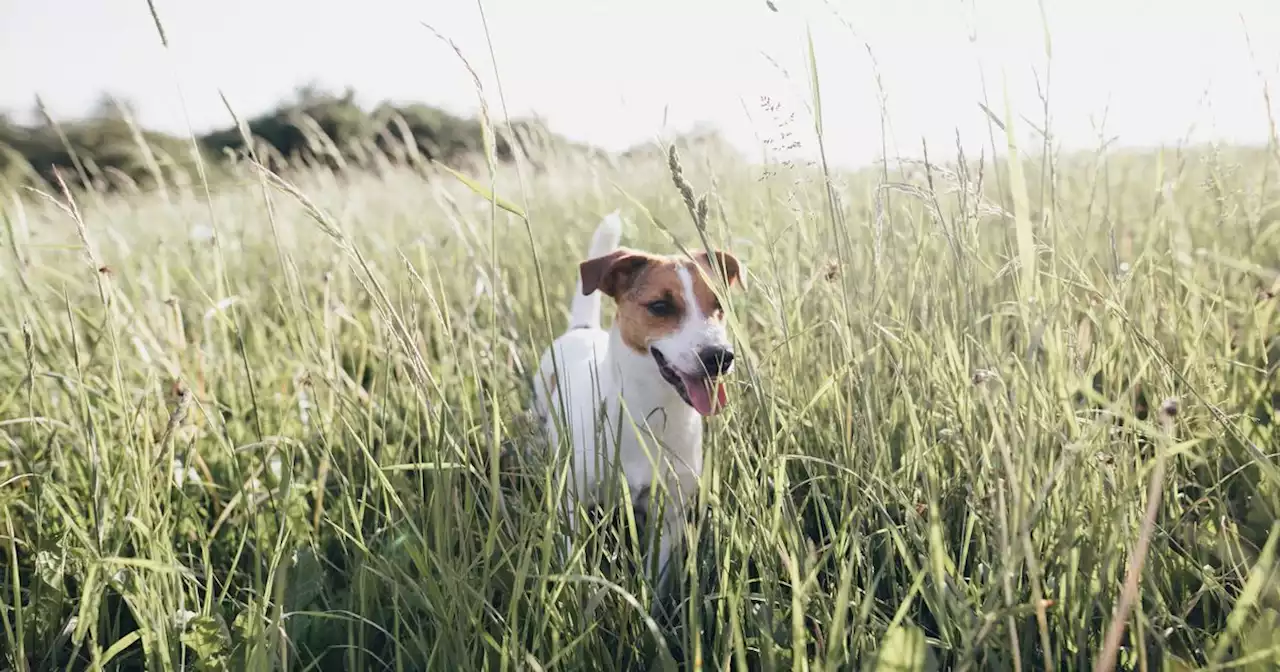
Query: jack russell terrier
{"points": [[633, 398]]}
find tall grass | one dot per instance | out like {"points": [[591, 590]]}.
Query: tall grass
{"points": [[283, 452]]}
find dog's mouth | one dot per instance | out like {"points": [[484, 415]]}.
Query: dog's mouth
{"points": [[705, 393]]}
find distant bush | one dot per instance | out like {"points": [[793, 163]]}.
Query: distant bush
{"points": [[107, 150]]}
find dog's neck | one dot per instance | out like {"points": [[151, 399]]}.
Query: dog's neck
{"points": [[648, 398]]}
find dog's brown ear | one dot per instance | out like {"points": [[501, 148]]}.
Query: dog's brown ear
{"points": [[612, 273], [725, 262]]}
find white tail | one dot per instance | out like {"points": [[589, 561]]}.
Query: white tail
{"points": [[584, 311]]}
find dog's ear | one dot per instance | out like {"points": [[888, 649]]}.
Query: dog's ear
{"points": [[725, 262], [612, 273]]}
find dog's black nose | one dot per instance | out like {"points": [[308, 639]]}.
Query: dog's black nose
{"points": [[716, 360]]}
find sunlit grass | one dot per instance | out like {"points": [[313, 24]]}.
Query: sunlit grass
{"points": [[277, 445]]}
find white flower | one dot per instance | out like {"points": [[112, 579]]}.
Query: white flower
{"points": [[183, 474], [182, 617]]}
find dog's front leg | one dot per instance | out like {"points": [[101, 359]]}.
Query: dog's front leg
{"points": [[570, 508], [669, 544], [666, 538]]}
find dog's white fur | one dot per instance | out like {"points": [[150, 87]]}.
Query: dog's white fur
{"points": [[619, 411]]}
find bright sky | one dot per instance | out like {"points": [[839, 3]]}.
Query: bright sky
{"points": [[610, 71]]}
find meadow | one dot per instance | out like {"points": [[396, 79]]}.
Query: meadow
{"points": [[988, 415]]}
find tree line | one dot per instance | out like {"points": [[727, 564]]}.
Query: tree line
{"points": [[108, 150]]}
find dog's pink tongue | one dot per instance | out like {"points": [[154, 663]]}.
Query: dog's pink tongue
{"points": [[700, 396]]}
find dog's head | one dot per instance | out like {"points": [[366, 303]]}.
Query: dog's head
{"points": [[668, 311]]}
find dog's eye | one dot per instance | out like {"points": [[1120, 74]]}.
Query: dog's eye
{"points": [[661, 308]]}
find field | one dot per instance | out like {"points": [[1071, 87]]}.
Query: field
{"points": [[984, 419]]}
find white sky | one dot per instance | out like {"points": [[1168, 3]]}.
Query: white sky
{"points": [[609, 71]]}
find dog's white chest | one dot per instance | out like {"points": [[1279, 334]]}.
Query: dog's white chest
{"points": [[664, 446]]}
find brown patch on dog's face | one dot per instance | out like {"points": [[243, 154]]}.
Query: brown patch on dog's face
{"points": [[652, 306], [708, 303]]}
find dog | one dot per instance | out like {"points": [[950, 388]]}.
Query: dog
{"points": [[633, 398]]}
